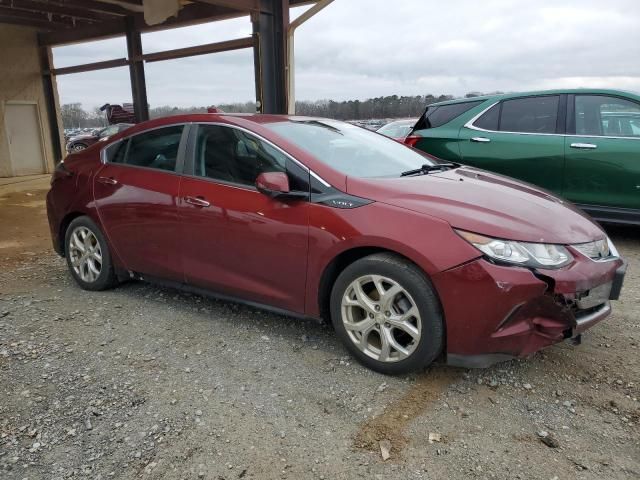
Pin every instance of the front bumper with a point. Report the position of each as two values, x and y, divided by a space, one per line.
496 313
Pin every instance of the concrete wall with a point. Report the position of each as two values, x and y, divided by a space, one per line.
21 80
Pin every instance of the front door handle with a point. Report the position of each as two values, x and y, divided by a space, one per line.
108 180
480 139
584 146
197 201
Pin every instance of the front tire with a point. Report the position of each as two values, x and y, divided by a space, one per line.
387 314
88 256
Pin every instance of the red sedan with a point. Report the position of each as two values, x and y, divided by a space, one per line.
411 259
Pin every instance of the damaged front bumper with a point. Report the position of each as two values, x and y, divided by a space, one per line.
495 313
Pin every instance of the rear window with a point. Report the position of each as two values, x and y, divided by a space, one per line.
116 152
530 115
437 115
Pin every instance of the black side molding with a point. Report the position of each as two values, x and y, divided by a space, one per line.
618 280
324 194
614 215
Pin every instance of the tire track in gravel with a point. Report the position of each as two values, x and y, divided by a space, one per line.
391 424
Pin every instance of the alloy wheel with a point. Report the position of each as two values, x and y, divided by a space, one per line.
85 254
381 318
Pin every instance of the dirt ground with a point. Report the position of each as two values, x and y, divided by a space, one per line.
149 382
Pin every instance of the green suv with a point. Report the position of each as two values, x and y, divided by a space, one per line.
582 144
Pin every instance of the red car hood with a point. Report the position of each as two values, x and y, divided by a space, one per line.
485 203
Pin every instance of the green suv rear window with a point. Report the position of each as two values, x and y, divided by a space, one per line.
437 115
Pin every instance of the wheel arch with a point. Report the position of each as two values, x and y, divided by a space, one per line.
64 224
345 258
66 221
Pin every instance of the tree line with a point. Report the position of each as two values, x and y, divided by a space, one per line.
391 106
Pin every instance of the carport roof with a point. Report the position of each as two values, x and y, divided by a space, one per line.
69 21
60 22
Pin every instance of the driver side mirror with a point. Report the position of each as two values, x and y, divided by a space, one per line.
273 184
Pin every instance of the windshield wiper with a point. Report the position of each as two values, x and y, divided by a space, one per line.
425 169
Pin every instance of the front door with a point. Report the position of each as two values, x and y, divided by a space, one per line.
236 240
136 195
603 152
519 138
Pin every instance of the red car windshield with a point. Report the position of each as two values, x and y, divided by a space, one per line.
351 150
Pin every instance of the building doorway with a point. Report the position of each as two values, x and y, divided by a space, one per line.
24 133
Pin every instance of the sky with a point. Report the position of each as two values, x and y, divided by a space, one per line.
358 49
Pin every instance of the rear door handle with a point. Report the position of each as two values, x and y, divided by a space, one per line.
197 201
480 139
108 180
584 146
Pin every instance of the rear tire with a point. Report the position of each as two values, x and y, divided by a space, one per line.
88 256
387 314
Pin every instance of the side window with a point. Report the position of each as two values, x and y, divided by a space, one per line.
601 115
117 152
530 115
155 149
489 119
232 155
437 115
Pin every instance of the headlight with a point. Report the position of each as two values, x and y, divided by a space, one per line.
598 250
536 255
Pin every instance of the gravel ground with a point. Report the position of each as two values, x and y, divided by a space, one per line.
149 382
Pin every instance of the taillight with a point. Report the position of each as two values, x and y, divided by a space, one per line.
61 171
411 140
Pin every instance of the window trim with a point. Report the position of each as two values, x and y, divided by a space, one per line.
482 112
180 159
184 163
570 111
189 166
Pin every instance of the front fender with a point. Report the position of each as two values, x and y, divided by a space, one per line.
428 242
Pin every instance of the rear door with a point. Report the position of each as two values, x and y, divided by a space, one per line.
603 152
521 138
236 240
136 194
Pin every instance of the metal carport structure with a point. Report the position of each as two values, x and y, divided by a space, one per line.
54 23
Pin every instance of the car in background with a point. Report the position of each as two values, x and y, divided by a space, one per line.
372 124
71 132
581 144
409 258
90 136
399 129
